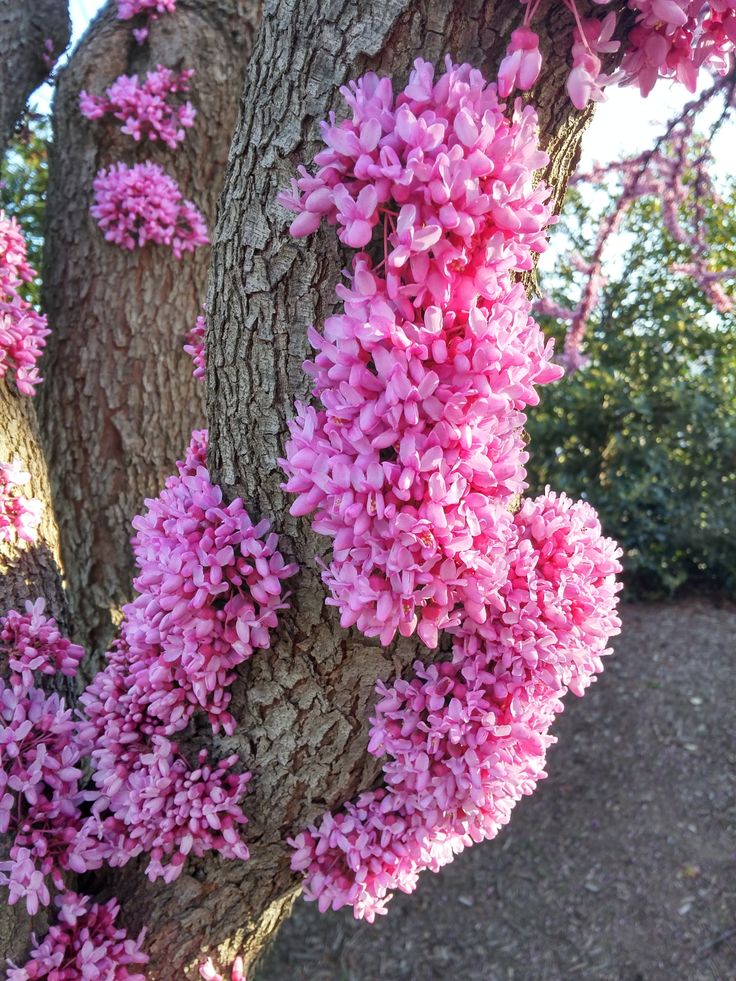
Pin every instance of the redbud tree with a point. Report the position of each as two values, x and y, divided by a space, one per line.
321 642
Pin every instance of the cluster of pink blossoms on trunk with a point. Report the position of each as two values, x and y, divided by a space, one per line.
19 515
150 9
140 204
209 591
413 463
146 109
23 331
417 449
42 746
464 740
84 943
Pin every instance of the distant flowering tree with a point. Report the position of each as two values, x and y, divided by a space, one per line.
358 747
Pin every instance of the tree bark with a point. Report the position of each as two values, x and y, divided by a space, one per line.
24 29
303 706
119 402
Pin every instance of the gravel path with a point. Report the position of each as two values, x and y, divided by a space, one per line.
622 867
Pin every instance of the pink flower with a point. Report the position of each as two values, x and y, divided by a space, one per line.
237 973
586 80
153 8
521 64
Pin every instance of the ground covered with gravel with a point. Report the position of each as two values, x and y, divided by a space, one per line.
622 866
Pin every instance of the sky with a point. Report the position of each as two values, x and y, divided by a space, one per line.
623 125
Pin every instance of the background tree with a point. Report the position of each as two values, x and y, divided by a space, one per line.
646 430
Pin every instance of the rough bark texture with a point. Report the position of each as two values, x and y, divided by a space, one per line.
303 706
24 29
119 403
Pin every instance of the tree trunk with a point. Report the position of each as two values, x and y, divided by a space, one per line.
24 56
303 706
119 402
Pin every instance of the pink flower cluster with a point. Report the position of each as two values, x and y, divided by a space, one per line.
194 347
84 943
414 462
445 176
140 204
19 516
42 746
417 450
23 331
146 109
209 591
32 642
669 39
591 39
466 739
676 38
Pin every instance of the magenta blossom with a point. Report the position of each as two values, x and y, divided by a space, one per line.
140 204
194 347
23 331
84 943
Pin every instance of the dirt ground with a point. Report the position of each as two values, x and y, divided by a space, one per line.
621 867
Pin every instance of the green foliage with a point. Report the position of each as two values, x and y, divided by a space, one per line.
23 181
647 432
